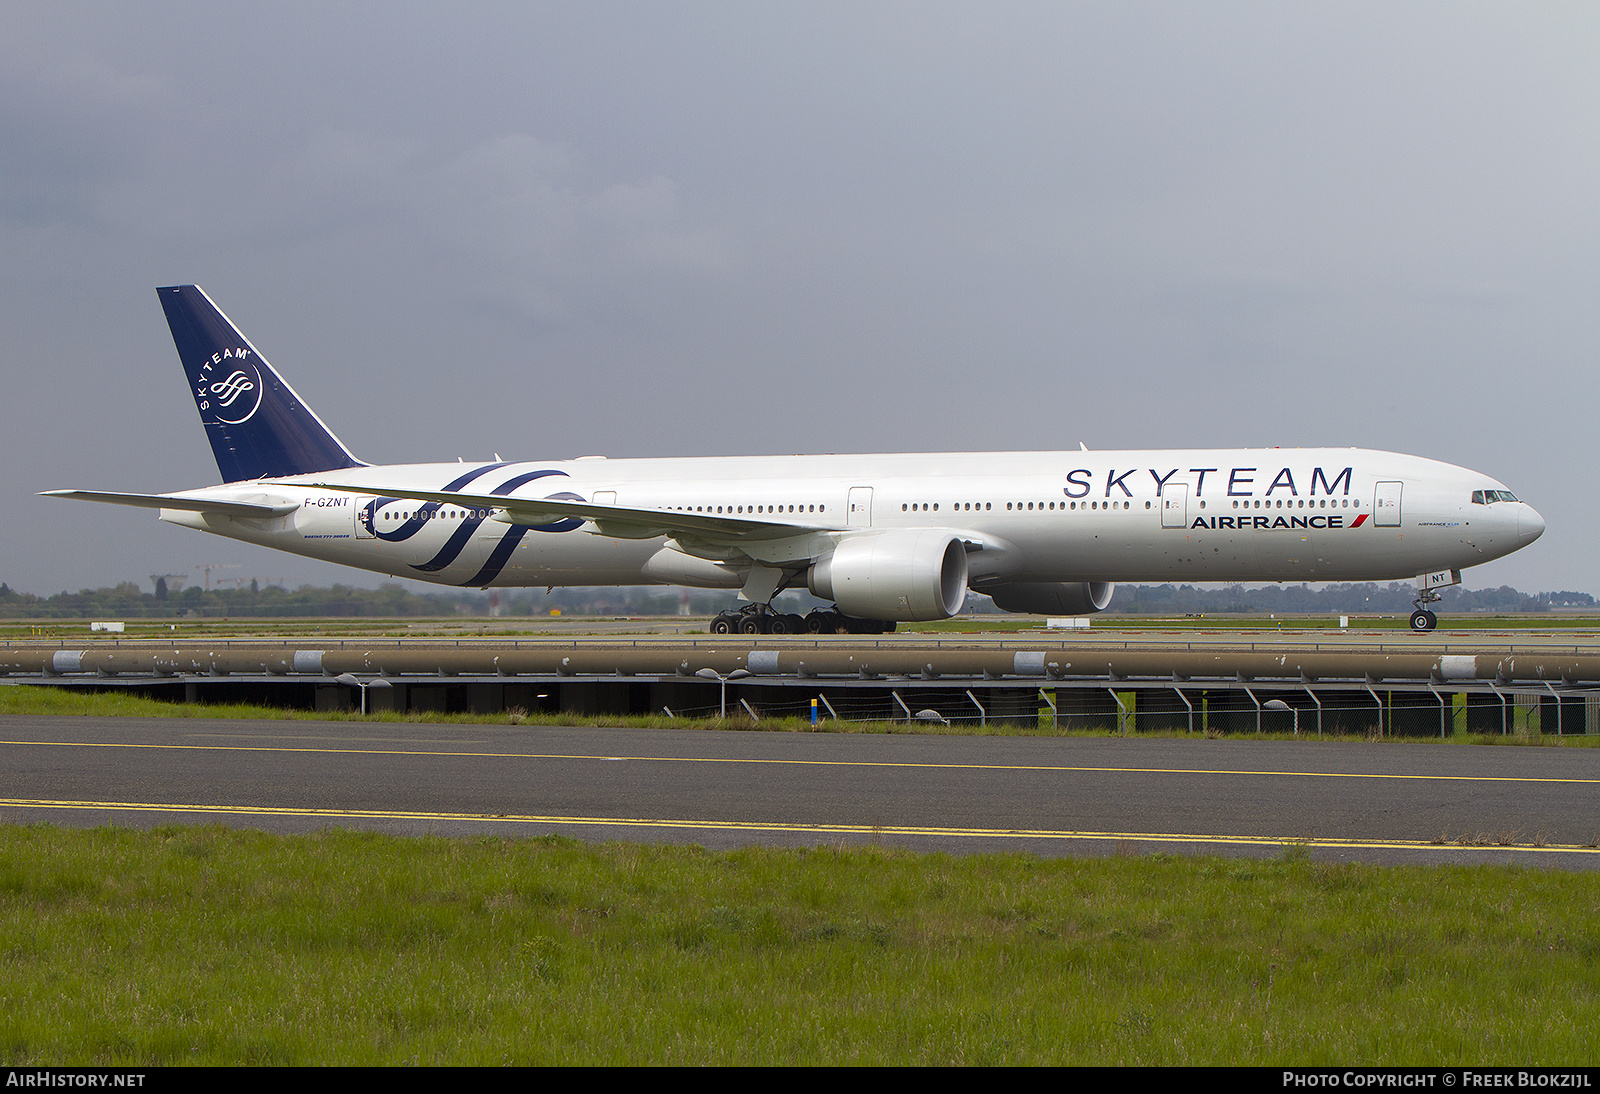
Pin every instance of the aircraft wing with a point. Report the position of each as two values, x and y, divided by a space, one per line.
620 521
256 510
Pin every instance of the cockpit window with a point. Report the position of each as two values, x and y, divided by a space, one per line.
1489 497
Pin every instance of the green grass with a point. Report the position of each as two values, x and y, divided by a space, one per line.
204 945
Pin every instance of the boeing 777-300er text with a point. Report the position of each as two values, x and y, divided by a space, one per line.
885 538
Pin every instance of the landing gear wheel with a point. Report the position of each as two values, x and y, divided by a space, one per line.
788 624
1423 620
821 622
723 625
752 624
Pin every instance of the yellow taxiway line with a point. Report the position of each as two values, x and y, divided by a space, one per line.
779 827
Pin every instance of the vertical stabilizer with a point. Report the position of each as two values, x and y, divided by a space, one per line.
258 427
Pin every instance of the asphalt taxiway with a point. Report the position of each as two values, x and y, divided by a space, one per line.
1388 802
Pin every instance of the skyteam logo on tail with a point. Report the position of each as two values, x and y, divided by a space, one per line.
229 386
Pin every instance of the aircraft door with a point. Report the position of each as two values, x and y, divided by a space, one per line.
366 515
1175 505
1386 505
859 514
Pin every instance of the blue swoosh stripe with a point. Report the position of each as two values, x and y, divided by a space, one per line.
508 543
453 546
517 480
418 523
463 535
498 557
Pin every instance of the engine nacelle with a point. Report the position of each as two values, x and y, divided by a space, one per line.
901 576
1053 597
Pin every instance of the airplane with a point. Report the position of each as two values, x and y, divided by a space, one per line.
885 538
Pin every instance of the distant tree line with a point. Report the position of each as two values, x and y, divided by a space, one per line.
127 601
255 601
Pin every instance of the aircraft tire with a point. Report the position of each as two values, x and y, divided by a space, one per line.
721 625
752 624
1422 621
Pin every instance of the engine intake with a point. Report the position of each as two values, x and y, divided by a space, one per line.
902 576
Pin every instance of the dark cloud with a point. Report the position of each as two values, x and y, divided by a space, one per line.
707 228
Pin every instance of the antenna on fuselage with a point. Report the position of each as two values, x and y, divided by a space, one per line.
1083 446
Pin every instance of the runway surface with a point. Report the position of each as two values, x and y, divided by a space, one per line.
1390 802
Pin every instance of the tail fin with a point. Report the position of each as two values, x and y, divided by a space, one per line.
259 428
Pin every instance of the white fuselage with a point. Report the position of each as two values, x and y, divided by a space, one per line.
1219 515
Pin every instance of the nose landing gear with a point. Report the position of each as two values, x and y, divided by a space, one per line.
1428 586
1422 619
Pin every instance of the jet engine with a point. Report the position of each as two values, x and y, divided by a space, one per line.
903 576
1052 597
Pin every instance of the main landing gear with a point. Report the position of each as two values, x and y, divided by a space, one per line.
759 619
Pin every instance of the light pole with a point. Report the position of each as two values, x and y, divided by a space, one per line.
1279 704
713 674
350 680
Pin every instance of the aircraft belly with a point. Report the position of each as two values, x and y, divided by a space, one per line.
578 558
1265 554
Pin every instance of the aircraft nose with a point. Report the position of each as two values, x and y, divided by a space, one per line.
1530 525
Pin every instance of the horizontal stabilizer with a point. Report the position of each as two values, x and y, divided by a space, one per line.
258 510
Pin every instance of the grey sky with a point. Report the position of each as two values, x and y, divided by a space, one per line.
654 229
